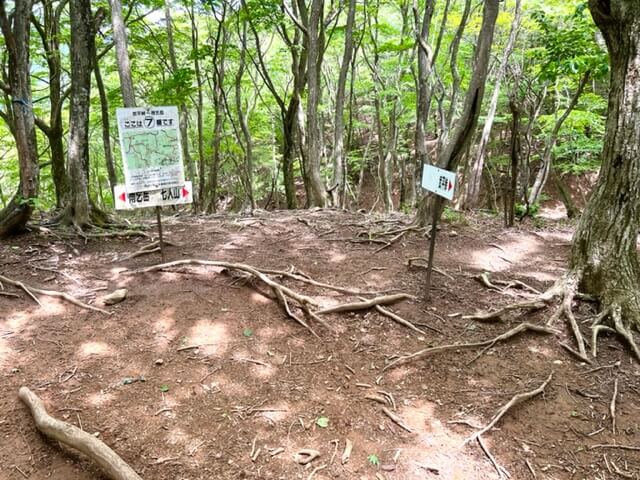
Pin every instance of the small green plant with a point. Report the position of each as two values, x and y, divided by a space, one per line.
373 459
164 388
322 422
521 210
247 332
454 216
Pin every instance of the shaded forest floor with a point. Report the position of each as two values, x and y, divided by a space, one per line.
260 381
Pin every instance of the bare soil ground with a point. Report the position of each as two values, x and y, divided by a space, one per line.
259 381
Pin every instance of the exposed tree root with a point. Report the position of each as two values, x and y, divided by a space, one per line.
285 295
487 344
566 289
31 291
366 304
412 261
147 249
515 400
503 285
112 465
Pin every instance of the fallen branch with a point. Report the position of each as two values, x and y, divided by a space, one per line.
523 327
50 293
152 247
67 434
398 319
501 471
515 400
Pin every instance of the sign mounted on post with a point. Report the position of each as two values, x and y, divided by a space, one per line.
439 181
442 183
151 150
126 200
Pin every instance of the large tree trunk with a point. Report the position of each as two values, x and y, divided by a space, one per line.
452 153
16 33
77 204
318 197
604 252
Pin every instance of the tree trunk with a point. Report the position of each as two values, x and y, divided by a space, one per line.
184 111
199 104
604 251
543 173
16 33
474 180
77 204
423 99
514 153
242 118
454 150
122 54
315 28
339 158
104 115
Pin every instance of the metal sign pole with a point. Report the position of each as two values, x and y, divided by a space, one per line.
160 240
432 243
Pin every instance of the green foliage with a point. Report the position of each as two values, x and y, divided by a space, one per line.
373 459
322 422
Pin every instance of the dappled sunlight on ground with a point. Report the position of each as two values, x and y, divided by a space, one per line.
438 445
211 336
257 297
101 398
92 348
494 259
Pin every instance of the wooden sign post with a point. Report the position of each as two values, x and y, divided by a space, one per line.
442 183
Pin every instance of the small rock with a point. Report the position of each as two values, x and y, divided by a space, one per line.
159 361
453 233
115 297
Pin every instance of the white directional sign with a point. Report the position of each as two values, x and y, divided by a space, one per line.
126 200
439 181
151 152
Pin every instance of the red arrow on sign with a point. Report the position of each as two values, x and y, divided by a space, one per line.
123 197
185 192
450 185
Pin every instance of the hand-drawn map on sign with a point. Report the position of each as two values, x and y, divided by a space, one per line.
150 144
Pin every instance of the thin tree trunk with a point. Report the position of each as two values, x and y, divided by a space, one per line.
339 158
184 111
474 180
199 104
543 173
454 150
122 54
423 99
104 114
514 153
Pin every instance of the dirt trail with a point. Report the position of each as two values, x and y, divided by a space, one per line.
259 381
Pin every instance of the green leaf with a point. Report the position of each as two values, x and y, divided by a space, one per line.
164 388
247 332
322 422
373 459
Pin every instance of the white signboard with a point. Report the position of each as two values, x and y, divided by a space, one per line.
126 200
439 181
150 143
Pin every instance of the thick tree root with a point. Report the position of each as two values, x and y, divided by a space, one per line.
515 400
112 465
31 291
566 289
286 295
487 344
